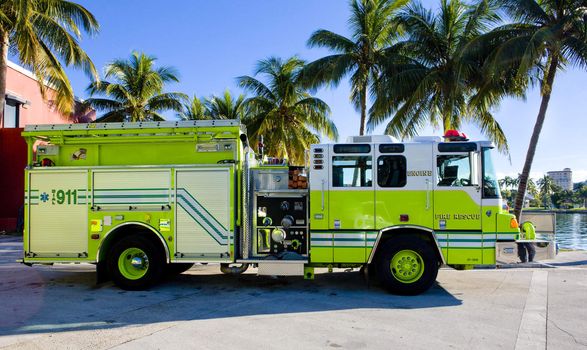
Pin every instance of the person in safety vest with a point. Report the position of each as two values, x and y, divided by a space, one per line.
526 250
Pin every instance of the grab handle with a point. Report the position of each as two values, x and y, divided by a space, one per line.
323 194
427 194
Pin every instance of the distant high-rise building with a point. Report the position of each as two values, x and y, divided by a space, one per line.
563 178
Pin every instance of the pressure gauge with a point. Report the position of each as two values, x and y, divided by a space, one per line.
284 206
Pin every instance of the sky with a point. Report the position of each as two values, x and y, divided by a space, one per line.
211 43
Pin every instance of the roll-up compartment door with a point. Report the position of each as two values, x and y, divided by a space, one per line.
58 214
204 213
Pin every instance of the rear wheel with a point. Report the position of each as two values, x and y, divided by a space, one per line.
135 263
407 265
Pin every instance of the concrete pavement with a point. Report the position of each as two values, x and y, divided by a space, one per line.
60 307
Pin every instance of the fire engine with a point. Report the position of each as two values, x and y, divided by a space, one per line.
141 200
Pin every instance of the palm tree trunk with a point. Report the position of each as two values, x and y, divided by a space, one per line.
3 68
363 110
446 125
546 91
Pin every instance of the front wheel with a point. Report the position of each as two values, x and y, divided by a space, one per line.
407 265
135 263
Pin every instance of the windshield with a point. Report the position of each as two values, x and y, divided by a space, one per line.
490 186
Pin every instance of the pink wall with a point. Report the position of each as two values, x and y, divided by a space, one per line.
22 84
13 157
13 151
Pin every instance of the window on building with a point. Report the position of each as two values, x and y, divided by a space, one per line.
352 171
391 171
455 170
11 114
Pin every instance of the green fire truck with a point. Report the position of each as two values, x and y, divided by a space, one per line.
141 200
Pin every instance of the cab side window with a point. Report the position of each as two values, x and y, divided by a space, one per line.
352 171
391 171
454 170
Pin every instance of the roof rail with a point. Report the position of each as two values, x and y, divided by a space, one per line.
137 125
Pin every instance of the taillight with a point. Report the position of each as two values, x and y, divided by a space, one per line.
514 223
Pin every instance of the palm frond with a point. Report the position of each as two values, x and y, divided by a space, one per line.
332 41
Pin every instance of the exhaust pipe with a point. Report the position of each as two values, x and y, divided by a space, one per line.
233 270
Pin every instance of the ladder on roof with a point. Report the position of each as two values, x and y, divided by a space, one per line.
137 125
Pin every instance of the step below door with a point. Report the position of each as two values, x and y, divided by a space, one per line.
205 218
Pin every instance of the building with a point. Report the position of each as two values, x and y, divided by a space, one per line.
563 179
24 105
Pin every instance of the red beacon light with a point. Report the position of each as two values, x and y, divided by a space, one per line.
454 135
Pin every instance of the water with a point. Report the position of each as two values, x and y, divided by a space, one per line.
571 231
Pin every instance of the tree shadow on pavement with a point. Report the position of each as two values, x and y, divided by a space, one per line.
44 299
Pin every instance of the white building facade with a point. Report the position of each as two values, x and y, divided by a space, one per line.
563 178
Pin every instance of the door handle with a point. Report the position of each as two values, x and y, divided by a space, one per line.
427 194
323 194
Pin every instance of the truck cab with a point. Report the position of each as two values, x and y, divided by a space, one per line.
373 189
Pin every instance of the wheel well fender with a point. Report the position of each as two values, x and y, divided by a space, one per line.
126 229
389 233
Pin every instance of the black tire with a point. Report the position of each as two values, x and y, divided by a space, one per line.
151 270
177 268
424 256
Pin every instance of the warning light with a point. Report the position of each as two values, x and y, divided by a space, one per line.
454 135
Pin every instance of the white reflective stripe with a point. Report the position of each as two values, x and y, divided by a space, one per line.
443 244
131 193
506 235
321 235
464 236
370 244
349 244
321 243
464 244
98 200
349 235
489 244
372 234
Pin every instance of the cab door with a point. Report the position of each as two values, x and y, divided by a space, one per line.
351 200
403 189
457 201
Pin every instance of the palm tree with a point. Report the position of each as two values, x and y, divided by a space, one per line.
42 34
546 36
582 192
506 182
436 77
194 109
532 189
546 186
136 94
226 107
360 56
283 111
502 184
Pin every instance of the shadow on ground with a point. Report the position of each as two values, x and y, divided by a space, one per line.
63 298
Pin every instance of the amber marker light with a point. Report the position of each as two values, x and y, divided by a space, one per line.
514 223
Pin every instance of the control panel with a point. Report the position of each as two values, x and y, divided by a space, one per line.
281 224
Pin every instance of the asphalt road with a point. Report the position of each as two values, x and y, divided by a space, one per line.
60 307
